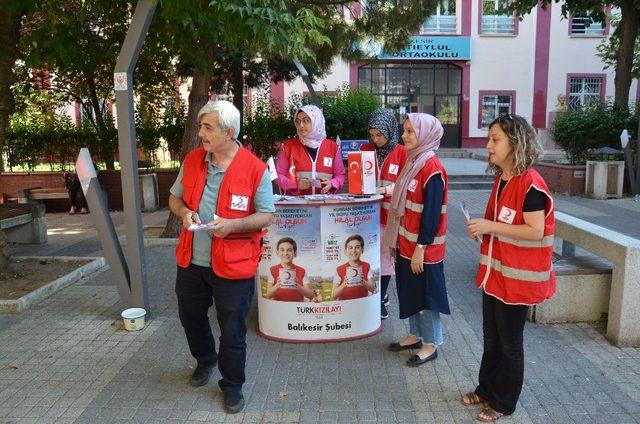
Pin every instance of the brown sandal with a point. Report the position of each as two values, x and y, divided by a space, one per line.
471 398
489 415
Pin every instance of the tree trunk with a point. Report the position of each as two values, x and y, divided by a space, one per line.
198 97
628 30
9 36
238 84
4 254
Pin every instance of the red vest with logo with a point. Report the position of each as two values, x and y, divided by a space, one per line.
288 294
300 158
387 174
517 271
410 223
235 256
353 292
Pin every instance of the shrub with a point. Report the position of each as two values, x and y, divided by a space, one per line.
591 127
346 114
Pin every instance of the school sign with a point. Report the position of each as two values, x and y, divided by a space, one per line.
424 47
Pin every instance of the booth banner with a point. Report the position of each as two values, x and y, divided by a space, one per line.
319 275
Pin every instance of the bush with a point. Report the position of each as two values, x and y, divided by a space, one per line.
591 127
346 114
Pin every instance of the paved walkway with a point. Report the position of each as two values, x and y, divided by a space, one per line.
68 360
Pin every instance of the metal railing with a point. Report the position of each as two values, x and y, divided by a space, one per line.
498 24
440 24
585 26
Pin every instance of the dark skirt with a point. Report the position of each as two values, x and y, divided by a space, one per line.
426 290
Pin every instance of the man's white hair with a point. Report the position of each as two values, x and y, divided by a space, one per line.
228 115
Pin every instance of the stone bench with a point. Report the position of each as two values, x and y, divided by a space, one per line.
40 194
583 286
623 297
24 224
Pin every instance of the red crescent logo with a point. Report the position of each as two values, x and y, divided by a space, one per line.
508 214
354 166
287 275
354 272
368 165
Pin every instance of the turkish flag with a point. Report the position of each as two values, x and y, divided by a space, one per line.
292 172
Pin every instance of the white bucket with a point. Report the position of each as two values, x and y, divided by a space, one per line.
133 318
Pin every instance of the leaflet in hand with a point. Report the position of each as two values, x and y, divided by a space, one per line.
465 211
203 227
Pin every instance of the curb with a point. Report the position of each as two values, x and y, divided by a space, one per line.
16 306
151 241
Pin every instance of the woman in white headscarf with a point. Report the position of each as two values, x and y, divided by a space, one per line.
310 163
416 229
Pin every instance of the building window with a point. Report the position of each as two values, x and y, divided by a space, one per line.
585 90
494 104
443 21
584 25
496 19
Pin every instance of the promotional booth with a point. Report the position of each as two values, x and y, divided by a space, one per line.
319 277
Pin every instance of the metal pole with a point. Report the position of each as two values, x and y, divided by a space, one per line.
123 79
305 77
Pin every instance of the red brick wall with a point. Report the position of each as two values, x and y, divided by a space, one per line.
562 178
12 182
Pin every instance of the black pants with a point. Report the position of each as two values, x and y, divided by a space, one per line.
502 367
197 288
385 286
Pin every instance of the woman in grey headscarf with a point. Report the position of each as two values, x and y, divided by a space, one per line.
390 159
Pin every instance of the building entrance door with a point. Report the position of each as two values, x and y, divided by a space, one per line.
433 88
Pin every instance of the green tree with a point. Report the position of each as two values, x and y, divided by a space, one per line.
78 42
625 32
11 15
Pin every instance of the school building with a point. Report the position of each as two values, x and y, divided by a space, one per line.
471 62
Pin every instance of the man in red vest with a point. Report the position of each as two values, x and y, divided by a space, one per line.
223 185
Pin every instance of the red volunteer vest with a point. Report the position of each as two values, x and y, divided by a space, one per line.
297 153
517 271
237 255
410 223
388 174
353 292
288 294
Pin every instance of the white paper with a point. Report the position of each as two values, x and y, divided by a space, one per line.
201 227
465 212
272 168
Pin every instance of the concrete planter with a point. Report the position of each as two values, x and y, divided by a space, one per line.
604 179
560 178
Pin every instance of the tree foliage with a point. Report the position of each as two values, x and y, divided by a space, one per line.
591 127
626 32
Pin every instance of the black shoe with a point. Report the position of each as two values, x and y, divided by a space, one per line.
233 402
201 375
415 360
383 311
397 347
385 300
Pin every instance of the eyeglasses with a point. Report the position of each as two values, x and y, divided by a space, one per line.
303 121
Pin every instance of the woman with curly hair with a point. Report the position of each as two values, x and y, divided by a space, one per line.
515 269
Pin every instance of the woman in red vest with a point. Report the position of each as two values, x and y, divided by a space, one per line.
351 280
288 282
515 268
416 228
310 163
390 159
